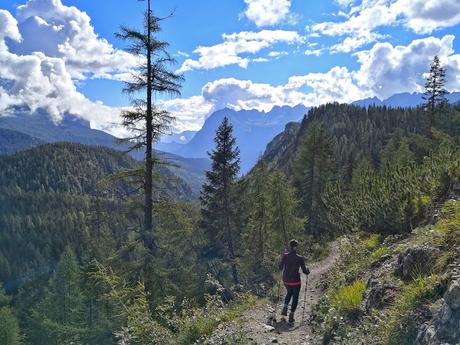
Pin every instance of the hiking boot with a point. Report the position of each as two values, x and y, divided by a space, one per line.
284 311
291 317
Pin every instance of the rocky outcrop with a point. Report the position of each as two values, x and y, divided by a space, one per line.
416 261
444 328
378 295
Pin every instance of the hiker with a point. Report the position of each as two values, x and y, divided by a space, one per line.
290 264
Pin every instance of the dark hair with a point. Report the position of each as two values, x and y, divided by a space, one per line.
293 244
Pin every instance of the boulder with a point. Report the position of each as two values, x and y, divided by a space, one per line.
416 261
444 328
379 295
452 296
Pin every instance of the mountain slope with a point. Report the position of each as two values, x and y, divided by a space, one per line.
33 129
13 141
50 198
75 168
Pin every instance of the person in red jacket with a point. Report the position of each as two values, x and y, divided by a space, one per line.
290 263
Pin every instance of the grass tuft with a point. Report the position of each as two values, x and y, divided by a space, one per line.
348 299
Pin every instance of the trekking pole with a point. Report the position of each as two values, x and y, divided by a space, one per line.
304 300
276 303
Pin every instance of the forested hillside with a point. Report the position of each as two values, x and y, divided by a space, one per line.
54 195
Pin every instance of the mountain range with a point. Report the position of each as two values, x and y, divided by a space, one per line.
188 150
254 129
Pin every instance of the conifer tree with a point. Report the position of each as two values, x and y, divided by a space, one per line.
435 93
285 222
313 169
60 313
10 333
146 121
218 199
258 234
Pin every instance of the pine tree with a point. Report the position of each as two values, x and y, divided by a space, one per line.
313 169
218 199
435 93
145 120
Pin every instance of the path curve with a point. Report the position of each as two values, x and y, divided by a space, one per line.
254 322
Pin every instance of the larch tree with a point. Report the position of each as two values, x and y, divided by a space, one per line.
285 221
219 205
314 168
435 92
144 120
257 233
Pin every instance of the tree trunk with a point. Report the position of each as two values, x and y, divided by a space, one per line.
148 187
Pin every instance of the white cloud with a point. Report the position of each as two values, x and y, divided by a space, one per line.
191 112
43 82
230 51
426 16
267 12
66 32
362 21
384 70
314 52
277 54
387 69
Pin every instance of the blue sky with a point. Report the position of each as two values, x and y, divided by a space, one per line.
242 54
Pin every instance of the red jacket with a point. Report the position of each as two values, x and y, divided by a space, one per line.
290 264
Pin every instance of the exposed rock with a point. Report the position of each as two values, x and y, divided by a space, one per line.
379 295
444 328
380 261
452 296
416 261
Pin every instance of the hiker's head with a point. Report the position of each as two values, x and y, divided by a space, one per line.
293 244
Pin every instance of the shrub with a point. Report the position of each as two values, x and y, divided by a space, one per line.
348 299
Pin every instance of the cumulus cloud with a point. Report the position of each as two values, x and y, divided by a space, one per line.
66 32
231 51
387 69
38 81
268 12
362 21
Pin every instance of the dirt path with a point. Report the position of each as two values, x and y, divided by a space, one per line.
254 322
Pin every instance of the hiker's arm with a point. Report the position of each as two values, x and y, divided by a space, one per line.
304 268
281 262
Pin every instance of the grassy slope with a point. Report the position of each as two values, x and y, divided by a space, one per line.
341 315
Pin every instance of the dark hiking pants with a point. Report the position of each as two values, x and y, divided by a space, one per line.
292 292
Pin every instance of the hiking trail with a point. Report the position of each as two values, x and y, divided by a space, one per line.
254 322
